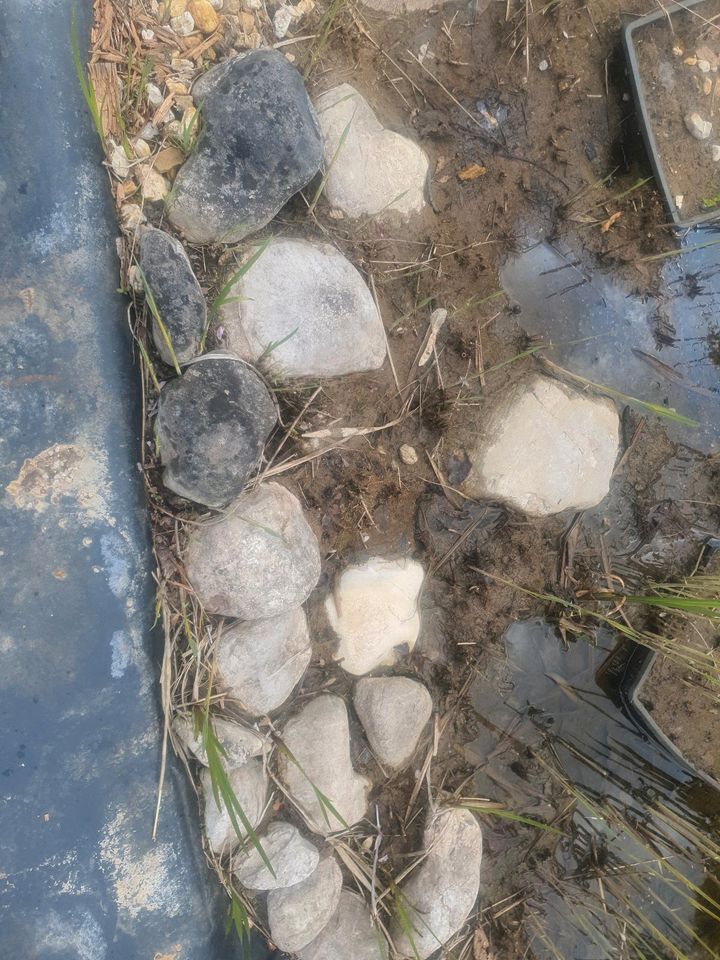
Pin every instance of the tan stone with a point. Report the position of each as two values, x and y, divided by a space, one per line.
205 17
177 7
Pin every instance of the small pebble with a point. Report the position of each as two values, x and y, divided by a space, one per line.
147 35
177 7
154 95
281 21
131 215
679 200
204 16
543 65
183 25
716 152
152 186
408 454
690 61
148 132
697 126
707 86
703 66
678 51
141 148
119 161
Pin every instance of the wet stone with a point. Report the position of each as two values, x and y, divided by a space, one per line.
177 295
293 859
393 712
250 784
259 561
239 743
298 914
259 143
211 428
306 308
349 935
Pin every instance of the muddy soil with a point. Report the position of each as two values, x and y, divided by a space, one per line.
679 75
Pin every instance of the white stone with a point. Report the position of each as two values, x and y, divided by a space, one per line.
349 935
141 148
250 784
260 661
697 126
154 95
715 152
318 739
282 18
703 66
131 216
374 610
393 712
183 25
311 303
292 857
119 161
153 186
440 893
408 454
239 743
147 35
298 914
260 560
373 170
545 448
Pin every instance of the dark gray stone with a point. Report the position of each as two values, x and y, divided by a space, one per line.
211 427
259 143
176 293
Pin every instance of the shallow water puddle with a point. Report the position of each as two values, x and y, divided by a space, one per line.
562 730
664 349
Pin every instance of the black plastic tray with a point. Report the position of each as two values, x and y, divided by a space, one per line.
645 122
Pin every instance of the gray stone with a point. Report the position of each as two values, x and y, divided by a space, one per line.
440 893
297 914
545 448
211 427
293 859
374 171
259 561
698 126
349 935
259 143
250 784
176 293
310 301
319 740
260 661
393 712
239 742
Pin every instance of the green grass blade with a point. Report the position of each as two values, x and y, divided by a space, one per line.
509 815
88 91
150 299
341 144
224 294
239 920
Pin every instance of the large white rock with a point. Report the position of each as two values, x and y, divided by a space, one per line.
319 740
260 661
305 309
372 171
239 742
374 610
349 935
297 914
250 784
258 561
545 448
293 859
393 712
440 893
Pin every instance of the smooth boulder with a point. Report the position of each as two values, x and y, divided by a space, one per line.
374 612
292 857
305 309
259 143
349 935
259 662
371 171
211 427
239 743
297 914
177 295
318 738
545 448
258 561
393 712
250 785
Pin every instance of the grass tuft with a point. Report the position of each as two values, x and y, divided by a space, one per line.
88 91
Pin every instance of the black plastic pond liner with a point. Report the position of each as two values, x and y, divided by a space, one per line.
646 123
80 731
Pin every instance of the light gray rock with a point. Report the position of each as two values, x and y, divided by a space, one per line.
259 143
250 784
297 914
440 893
349 935
319 740
260 661
293 859
310 301
374 170
545 448
393 712
176 293
239 742
373 609
698 126
259 561
211 427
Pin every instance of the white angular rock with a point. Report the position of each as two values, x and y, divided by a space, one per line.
239 742
260 560
393 712
297 914
373 610
250 784
260 661
545 448
374 170
293 859
698 126
318 737
440 893
349 935
310 301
